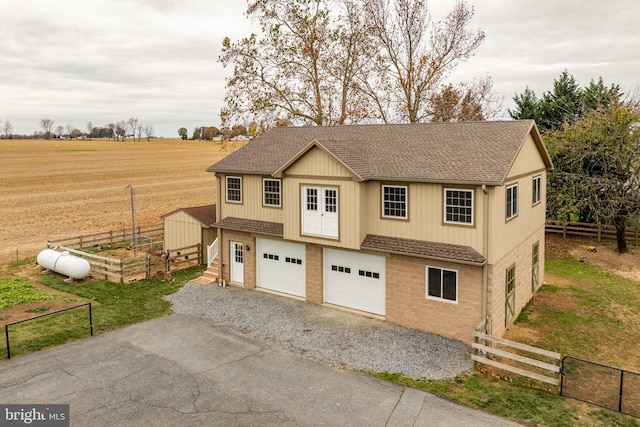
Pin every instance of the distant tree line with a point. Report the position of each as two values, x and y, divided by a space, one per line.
209 133
119 131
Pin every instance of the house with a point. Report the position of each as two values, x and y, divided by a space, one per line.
434 226
186 227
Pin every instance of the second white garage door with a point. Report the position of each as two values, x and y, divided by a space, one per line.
355 280
281 266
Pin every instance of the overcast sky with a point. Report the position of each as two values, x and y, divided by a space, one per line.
75 61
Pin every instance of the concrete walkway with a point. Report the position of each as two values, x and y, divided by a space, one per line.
188 371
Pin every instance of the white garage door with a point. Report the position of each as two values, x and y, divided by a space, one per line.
281 266
354 280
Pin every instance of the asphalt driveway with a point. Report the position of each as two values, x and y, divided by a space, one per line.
188 371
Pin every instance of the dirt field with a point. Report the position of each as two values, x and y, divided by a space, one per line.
60 188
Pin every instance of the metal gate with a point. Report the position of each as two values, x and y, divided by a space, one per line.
601 385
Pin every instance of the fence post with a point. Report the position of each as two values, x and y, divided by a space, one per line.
564 230
599 232
6 332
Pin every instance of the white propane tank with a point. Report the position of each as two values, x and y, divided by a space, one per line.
64 263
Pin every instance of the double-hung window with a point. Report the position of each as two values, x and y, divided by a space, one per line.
442 284
234 189
458 206
537 195
394 201
512 201
271 192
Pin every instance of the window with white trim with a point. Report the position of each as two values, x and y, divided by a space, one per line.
442 284
394 201
537 192
234 189
512 201
271 192
458 206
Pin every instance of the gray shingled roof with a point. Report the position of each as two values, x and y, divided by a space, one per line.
466 152
251 226
443 251
205 214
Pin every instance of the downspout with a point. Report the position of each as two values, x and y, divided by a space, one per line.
485 254
221 281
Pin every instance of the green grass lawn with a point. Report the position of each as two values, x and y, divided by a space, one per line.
590 314
114 306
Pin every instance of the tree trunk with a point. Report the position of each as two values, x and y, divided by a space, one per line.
618 221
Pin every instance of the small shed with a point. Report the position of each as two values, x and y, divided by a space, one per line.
186 227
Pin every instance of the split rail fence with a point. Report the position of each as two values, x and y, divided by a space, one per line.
149 264
521 359
599 231
148 236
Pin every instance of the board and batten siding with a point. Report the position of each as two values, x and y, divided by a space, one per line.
317 162
251 206
318 168
181 230
426 216
507 235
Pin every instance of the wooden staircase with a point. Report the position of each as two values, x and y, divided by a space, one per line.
211 274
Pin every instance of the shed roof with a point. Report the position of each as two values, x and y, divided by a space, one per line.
433 250
465 152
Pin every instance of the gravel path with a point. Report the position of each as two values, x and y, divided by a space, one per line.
342 339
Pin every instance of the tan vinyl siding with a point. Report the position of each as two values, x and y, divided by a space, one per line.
181 230
527 160
508 234
348 211
426 216
319 168
251 206
318 163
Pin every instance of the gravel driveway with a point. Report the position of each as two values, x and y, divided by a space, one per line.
334 336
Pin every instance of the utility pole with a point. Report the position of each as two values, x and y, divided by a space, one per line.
133 220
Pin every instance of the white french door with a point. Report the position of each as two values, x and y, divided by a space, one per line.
320 211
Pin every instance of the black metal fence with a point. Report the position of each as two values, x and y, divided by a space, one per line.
605 386
6 327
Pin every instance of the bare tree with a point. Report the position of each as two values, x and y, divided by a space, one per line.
89 129
121 130
69 129
132 125
465 102
148 132
112 128
47 126
303 68
7 128
414 56
139 128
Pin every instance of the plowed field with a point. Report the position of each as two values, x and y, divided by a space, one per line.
63 188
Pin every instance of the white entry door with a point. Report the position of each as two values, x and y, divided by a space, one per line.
236 253
320 211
